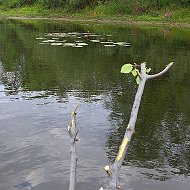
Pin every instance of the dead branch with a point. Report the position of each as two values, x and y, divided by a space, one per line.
160 73
113 170
73 138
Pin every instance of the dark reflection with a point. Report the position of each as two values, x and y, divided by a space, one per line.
91 74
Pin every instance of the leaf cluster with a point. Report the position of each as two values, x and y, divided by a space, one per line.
132 68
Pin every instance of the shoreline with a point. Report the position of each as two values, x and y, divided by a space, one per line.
103 20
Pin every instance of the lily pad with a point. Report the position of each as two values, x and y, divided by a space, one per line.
94 35
107 42
69 44
82 44
73 33
120 43
109 45
95 41
40 38
127 45
48 41
57 44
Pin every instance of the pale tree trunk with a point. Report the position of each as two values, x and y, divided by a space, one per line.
113 170
73 139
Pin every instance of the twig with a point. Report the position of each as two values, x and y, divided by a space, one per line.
160 73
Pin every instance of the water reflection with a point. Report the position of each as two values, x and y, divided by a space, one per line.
41 84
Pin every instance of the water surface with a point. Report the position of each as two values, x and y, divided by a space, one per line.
40 84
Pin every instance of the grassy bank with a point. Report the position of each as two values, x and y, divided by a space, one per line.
111 11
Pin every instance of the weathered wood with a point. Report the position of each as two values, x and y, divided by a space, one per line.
160 73
73 138
113 171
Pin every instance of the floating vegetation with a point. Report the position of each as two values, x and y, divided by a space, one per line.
79 40
69 44
127 45
61 35
95 41
82 44
73 33
57 44
110 42
109 45
94 35
60 41
48 41
40 38
122 43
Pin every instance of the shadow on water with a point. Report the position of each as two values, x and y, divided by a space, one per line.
40 84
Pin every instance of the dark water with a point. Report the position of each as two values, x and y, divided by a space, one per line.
41 84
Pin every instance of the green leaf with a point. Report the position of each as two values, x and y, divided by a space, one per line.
127 68
134 73
138 80
148 70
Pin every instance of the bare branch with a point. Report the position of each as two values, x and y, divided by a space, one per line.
113 170
130 129
76 108
160 73
73 138
139 73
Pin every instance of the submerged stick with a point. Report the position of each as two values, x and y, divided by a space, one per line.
73 138
113 170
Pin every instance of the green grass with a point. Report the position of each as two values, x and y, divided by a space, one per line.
103 11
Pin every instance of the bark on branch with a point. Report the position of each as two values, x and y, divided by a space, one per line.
160 73
73 131
113 170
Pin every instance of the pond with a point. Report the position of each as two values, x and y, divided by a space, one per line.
44 76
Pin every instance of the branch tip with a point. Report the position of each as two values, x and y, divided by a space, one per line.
170 64
160 73
107 168
76 108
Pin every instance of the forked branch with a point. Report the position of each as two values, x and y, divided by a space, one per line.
113 170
